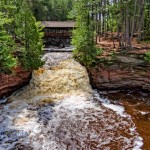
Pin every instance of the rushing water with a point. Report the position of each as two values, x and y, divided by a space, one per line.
74 123
79 120
137 104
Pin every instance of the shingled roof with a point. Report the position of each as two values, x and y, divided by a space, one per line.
58 24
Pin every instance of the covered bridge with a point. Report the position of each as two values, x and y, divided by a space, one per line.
57 33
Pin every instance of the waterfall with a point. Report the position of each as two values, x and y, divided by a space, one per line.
58 110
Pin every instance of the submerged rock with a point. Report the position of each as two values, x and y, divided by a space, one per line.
3 100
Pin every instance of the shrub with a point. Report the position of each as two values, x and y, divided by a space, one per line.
147 57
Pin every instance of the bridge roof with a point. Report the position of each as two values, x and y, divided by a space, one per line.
58 24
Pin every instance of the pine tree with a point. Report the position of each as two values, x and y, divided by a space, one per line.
7 45
83 36
29 32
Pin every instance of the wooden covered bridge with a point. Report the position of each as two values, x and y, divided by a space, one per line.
57 33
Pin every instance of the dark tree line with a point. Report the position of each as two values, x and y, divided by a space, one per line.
53 10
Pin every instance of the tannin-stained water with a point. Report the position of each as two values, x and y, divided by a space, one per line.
59 111
137 105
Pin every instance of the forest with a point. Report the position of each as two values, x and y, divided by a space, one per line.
125 22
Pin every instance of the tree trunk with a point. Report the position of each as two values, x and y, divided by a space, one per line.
133 20
128 41
141 20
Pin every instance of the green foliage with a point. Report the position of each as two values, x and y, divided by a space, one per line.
6 48
72 13
56 10
83 35
147 57
18 22
113 55
7 44
29 32
147 21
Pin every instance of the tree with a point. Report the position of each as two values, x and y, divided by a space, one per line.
53 10
7 45
147 20
141 19
28 31
83 36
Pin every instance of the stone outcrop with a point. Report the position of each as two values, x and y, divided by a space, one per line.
125 73
12 82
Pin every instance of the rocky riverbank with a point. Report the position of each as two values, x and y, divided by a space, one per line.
14 81
124 73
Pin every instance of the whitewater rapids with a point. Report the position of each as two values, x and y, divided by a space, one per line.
58 110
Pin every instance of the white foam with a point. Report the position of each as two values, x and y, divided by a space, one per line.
74 123
117 108
138 143
144 113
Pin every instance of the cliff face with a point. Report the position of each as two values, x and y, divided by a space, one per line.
126 73
10 83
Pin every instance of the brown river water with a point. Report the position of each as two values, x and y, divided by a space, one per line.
136 104
58 110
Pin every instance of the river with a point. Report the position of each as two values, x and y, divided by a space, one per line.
59 110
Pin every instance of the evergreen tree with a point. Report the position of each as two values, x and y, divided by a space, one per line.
7 44
83 36
53 10
29 32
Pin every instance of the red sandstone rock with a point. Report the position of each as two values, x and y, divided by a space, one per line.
10 83
117 77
